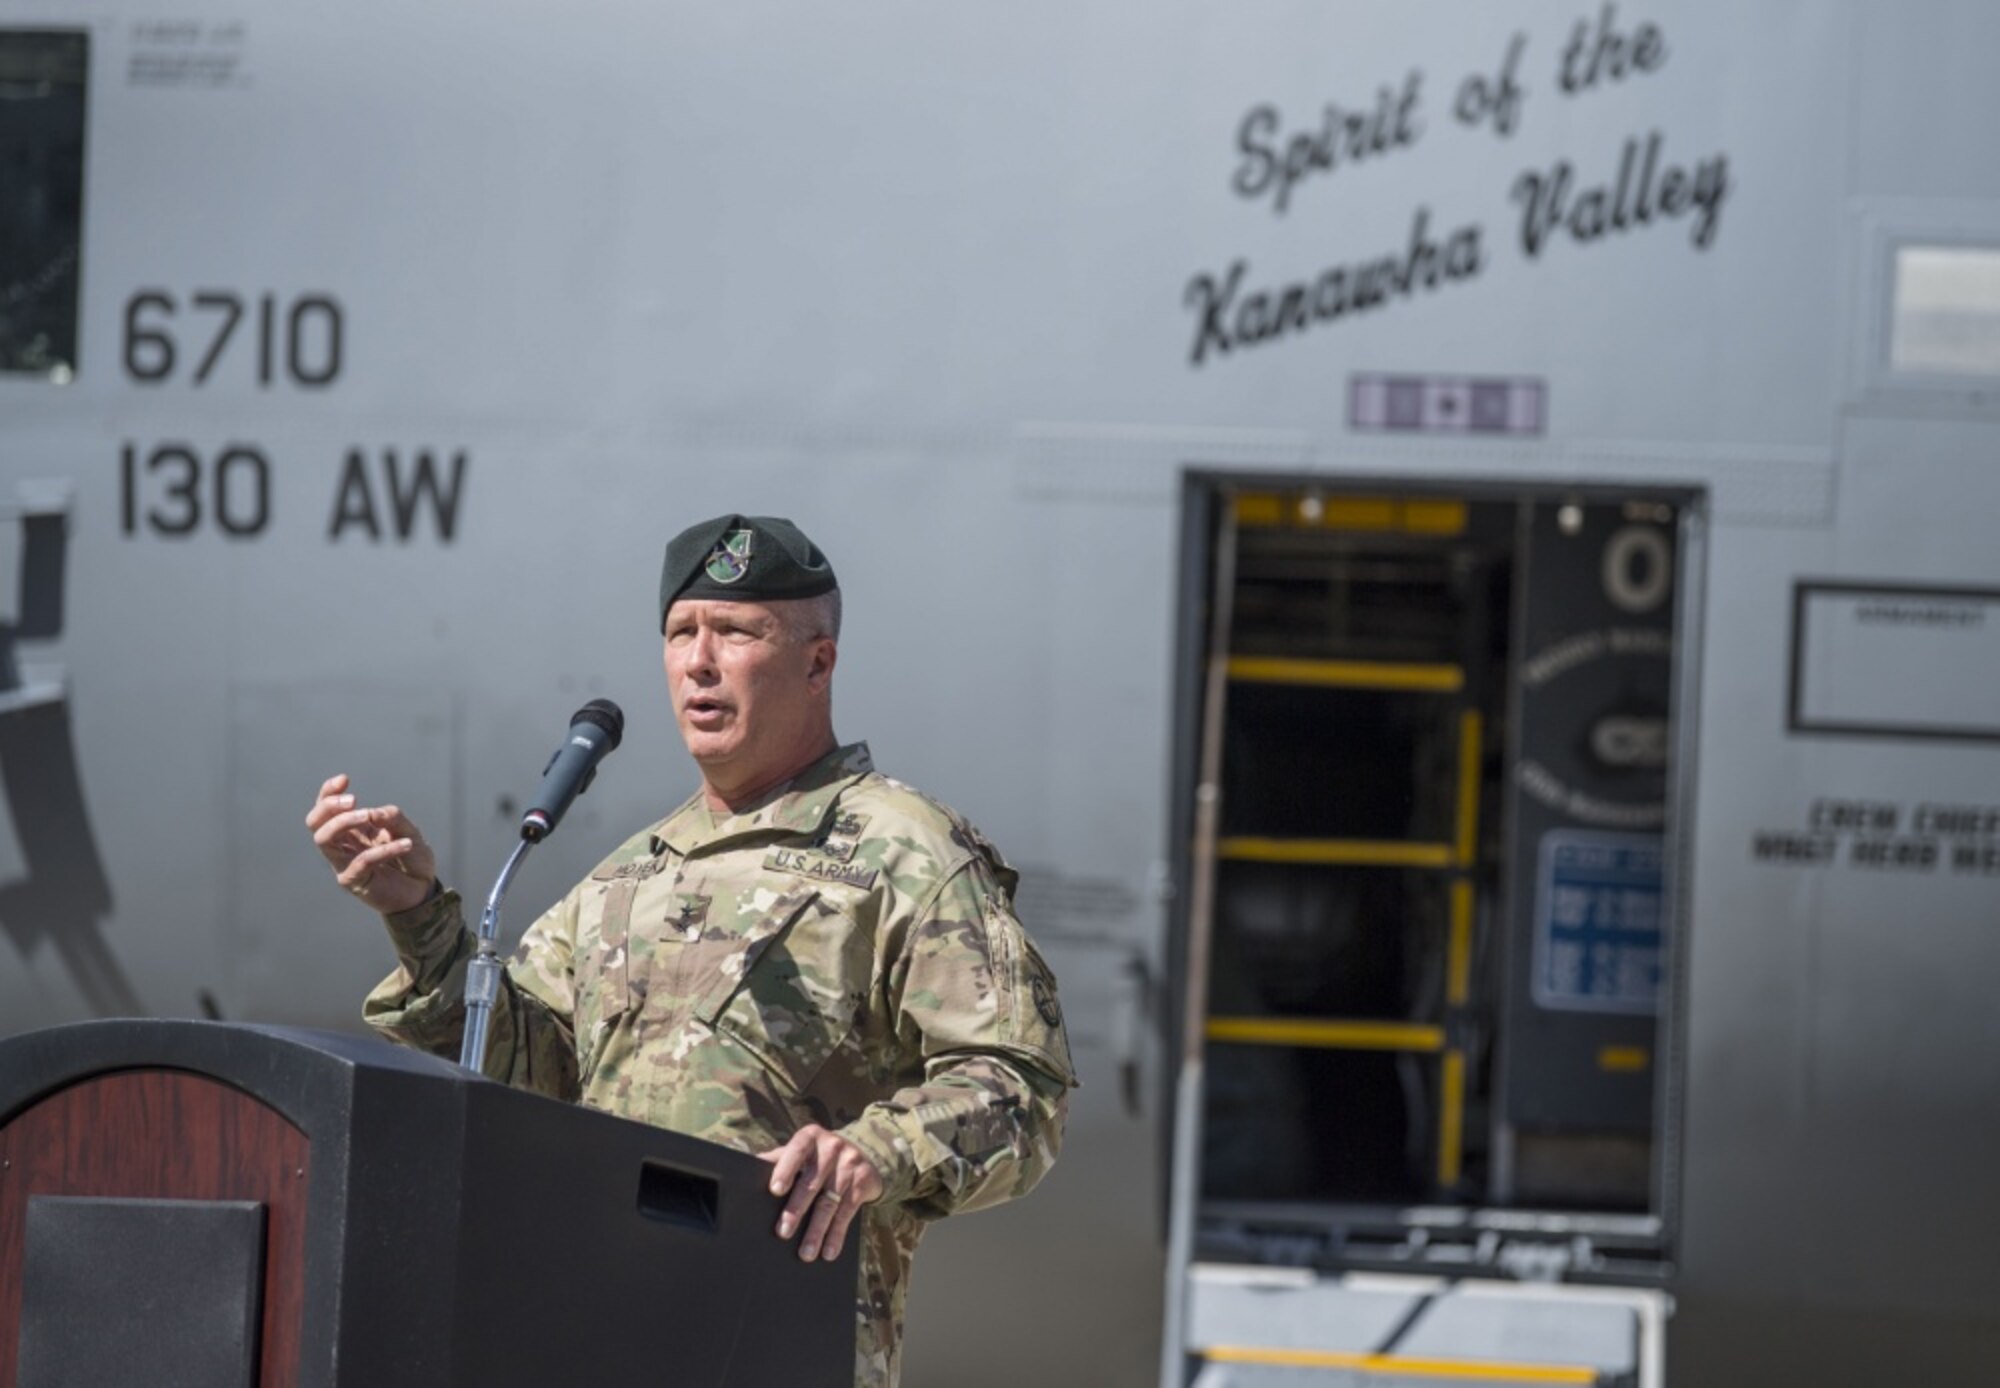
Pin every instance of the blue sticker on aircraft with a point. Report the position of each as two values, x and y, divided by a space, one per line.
1598 921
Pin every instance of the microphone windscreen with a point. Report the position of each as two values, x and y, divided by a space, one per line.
602 713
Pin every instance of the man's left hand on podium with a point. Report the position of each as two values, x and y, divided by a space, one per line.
829 1179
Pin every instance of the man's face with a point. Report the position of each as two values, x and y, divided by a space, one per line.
745 694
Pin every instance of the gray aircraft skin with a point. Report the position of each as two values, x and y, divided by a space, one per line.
343 427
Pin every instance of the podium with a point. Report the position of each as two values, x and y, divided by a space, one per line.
218 1206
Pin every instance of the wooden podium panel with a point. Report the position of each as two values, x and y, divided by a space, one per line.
180 1137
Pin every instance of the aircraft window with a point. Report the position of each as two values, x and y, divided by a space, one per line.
1945 318
43 76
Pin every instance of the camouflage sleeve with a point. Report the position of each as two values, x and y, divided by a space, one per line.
975 1002
422 1004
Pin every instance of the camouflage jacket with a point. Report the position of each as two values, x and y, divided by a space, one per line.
846 954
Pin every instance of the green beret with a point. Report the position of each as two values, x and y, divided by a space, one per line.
743 559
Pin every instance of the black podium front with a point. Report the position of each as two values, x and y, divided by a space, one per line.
190 1202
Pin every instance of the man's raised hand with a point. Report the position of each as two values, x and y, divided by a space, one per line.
376 852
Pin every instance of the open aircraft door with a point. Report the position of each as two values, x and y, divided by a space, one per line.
1429 837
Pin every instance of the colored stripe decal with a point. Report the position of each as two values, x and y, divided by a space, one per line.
1332 1035
1451 1118
1469 754
1338 852
1458 959
1377 514
1347 674
1471 1370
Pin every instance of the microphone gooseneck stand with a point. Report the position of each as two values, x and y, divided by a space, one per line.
594 732
482 976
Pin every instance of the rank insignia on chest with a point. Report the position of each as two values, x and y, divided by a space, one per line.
689 919
817 863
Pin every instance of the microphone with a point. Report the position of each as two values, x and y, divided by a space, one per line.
595 729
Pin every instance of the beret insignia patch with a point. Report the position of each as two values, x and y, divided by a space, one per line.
730 559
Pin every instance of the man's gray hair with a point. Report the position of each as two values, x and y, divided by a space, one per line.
808 619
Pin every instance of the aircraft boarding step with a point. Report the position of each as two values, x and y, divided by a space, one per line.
1273 1328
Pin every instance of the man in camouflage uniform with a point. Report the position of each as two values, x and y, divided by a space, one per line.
807 960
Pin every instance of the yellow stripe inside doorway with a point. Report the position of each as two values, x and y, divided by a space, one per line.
1464 1370
1334 1035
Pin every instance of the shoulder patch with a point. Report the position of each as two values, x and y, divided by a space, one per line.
1043 987
1034 1020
